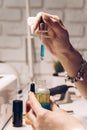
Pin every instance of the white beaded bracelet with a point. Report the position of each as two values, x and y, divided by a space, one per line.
80 74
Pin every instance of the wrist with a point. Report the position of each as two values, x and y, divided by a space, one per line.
65 52
71 60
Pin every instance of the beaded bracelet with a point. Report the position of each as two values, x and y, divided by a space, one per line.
80 74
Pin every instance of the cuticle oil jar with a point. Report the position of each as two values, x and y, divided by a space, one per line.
43 94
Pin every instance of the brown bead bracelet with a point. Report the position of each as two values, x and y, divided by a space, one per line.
80 74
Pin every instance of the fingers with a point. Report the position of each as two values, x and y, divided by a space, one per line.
48 18
47 35
37 20
53 23
32 116
54 107
53 17
35 105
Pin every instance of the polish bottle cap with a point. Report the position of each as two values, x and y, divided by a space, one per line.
32 87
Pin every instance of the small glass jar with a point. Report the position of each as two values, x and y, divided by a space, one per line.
43 94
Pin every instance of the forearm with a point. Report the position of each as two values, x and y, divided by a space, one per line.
59 45
71 62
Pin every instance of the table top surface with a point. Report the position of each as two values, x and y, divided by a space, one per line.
79 108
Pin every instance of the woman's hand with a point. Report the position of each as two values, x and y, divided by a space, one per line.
58 38
56 119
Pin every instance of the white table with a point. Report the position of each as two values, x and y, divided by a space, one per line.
79 108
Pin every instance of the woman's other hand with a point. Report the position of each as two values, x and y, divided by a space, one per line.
56 119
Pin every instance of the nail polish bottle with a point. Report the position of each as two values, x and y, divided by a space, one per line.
17 113
27 120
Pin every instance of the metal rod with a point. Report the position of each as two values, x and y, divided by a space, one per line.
29 45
